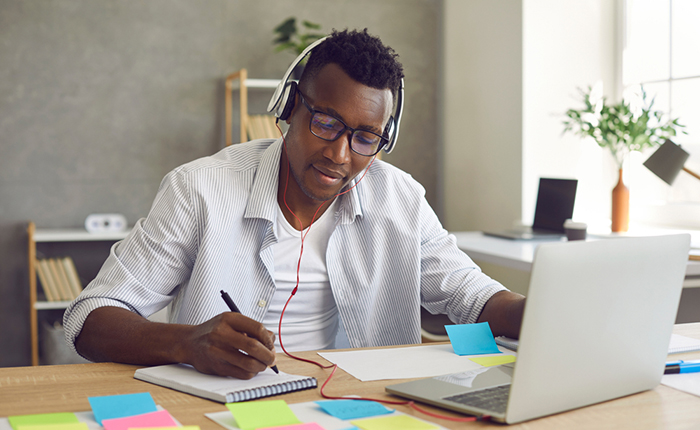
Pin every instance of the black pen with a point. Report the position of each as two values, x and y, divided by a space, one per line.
235 309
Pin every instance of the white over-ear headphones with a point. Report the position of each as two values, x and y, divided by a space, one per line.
282 101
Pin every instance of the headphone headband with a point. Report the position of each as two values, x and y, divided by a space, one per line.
276 105
282 101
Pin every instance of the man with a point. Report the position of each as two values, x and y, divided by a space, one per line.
375 252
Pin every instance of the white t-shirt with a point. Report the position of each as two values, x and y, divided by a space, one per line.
311 319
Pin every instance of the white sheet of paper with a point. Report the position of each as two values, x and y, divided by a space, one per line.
688 382
423 361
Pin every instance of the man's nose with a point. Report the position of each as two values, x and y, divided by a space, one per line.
339 150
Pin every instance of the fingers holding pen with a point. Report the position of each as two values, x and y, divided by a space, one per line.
233 345
250 336
268 341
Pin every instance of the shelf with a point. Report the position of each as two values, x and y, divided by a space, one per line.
238 81
51 305
76 235
54 236
256 83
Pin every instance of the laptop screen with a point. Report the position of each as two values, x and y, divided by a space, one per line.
555 203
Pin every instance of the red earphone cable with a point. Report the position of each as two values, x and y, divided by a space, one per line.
296 287
303 237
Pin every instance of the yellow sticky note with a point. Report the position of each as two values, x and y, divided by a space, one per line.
403 422
265 413
41 419
494 360
64 426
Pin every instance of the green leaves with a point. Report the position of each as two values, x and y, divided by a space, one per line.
288 37
622 127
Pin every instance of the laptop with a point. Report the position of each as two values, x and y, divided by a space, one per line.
597 326
555 204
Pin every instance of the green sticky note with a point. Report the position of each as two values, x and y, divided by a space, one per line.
64 426
493 360
42 419
266 413
403 422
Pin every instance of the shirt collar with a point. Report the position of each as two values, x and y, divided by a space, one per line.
262 201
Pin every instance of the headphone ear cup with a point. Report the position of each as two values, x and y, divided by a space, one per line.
389 129
288 101
389 133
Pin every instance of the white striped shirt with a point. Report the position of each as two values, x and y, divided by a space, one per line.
211 228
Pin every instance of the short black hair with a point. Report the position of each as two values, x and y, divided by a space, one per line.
362 56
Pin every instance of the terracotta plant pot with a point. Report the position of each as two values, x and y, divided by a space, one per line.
620 206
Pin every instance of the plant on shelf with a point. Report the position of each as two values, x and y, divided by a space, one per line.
290 39
629 125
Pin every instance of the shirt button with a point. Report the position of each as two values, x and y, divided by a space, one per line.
261 303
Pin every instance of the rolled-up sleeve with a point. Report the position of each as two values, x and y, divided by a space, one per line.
451 283
142 272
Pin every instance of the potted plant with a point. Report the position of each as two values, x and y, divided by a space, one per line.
290 39
629 125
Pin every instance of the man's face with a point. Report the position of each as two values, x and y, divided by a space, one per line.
321 168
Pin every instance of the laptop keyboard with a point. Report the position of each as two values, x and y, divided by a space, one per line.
492 399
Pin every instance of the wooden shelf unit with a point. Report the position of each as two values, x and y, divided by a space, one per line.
35 236
239 81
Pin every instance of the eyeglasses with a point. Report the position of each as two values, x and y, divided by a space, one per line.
330 128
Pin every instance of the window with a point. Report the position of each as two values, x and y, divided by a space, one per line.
661 52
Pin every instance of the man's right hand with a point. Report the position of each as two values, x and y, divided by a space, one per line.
229 344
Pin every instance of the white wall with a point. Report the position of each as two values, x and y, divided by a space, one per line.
566 45
482 113
511 70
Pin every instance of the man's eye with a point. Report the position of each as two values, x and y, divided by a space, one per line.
366 138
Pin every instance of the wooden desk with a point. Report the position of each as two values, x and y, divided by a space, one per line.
27 390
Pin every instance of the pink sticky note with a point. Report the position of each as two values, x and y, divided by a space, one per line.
302 426
151 419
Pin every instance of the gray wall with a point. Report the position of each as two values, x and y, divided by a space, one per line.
100 99
482 78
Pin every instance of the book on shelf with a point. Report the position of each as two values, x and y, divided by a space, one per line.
59 278
46 281
76 286
261 127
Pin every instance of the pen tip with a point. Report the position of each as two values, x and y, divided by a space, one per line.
275 369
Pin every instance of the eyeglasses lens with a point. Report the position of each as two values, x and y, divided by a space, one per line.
329 128
326 127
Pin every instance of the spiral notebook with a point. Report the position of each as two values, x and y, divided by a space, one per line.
223 389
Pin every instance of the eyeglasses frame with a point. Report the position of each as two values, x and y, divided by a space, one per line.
383 140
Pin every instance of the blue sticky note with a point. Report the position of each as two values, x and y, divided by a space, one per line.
123 405
353 409
472 339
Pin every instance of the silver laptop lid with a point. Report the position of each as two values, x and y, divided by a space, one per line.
597 322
